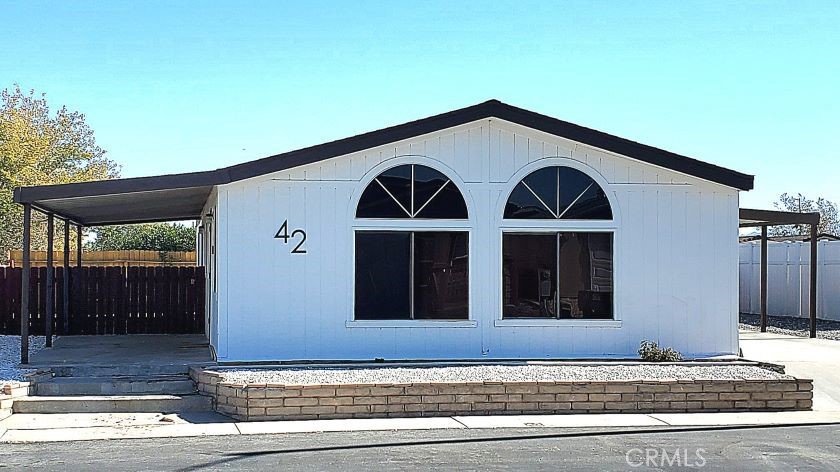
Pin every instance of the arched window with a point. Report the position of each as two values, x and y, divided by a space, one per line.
406 271
412 191
558 270
558 193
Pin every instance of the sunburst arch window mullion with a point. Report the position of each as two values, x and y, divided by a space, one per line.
575 194
434 196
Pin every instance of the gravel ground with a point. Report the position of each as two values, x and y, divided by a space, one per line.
10 356
494 372
826 329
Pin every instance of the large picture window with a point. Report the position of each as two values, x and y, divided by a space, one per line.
547 270
409 272
412 275
564 275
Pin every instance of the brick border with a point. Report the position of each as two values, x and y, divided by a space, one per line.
263 402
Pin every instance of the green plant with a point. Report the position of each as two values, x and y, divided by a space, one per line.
651 352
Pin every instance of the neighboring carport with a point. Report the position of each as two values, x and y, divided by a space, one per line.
751 218
122 201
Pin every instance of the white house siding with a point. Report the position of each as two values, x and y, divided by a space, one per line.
788 282
675 256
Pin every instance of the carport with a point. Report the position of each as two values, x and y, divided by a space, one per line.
174 197
752 218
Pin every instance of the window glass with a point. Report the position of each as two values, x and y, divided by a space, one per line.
427 183
543 184
376 203
565 275
412 191
586 275
441 275
383 275
385 284
397 181
572 183
529 275
447 204
592 205
523 204
558 193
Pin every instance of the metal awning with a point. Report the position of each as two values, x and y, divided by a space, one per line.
122 201
752 218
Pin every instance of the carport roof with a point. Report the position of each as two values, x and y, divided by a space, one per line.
182 196
750 218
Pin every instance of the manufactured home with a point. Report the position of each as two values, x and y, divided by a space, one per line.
488 232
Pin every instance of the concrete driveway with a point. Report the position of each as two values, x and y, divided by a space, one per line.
817 359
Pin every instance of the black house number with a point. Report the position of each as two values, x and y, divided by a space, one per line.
283 233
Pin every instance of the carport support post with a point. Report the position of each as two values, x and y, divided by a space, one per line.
813 283
764 278
78 245
24 286
65 292
50 311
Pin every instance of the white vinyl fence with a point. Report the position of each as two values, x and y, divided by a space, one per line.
788 277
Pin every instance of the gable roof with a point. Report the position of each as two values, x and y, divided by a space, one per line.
69 199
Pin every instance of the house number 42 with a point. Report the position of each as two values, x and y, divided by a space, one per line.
283 233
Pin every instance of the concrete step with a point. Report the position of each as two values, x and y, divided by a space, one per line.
123 385
6 403
121 370
113 404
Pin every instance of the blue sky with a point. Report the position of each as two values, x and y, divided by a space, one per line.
182 86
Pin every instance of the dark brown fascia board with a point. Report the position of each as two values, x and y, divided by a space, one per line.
494 109
757 217
117 186
626 147
320 152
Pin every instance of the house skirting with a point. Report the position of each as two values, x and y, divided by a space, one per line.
264 402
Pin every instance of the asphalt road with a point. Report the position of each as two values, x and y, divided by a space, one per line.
798 448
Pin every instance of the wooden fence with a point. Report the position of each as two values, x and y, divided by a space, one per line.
109 300
108 258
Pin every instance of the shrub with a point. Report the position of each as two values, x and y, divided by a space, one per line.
651 352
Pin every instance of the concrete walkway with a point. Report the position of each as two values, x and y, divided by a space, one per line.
817 359
812 358
25 428
140 349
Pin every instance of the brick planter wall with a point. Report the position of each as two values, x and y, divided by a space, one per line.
261 402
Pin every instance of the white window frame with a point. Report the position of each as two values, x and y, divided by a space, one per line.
551 226
412 225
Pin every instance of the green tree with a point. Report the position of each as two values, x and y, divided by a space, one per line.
829 220
38 147
161 237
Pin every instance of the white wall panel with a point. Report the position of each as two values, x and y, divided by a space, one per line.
675 256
